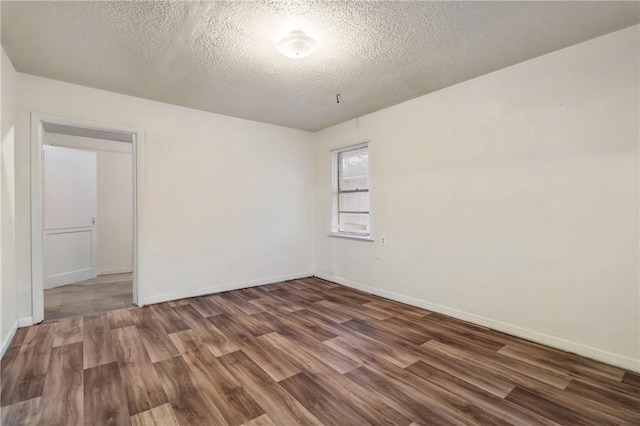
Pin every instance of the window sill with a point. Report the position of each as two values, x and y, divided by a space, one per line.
349 237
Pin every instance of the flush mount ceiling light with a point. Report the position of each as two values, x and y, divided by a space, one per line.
296 45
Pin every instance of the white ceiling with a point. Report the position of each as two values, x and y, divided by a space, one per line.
220 56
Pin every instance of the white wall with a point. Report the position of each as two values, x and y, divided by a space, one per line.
223 202
115 195
510 200
8 314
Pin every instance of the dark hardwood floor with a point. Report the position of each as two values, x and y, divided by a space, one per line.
299 352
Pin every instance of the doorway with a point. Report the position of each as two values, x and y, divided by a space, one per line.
84 245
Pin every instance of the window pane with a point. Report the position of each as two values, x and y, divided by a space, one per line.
358 223
353 169
354 202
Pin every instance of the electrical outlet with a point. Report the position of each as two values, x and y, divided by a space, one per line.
383 240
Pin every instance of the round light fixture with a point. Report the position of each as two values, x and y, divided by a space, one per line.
296 45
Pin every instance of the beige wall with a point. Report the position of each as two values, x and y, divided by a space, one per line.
510 200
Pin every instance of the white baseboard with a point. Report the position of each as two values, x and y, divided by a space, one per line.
20 322
25 322
68 278
5 342
220 288
535 336
114 271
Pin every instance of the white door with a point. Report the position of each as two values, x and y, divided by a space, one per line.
70 204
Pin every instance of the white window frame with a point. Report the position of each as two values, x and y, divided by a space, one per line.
335 226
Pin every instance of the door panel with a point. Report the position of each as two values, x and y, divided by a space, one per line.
70 214
69 257
70 187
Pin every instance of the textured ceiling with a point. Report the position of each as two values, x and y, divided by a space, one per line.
221 57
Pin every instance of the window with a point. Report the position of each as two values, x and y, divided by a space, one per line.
351 191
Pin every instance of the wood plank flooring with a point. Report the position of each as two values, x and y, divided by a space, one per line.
301 352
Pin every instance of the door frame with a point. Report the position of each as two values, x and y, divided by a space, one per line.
37 234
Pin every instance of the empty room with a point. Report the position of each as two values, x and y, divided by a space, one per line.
320 213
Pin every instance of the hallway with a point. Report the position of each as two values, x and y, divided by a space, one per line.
104 293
